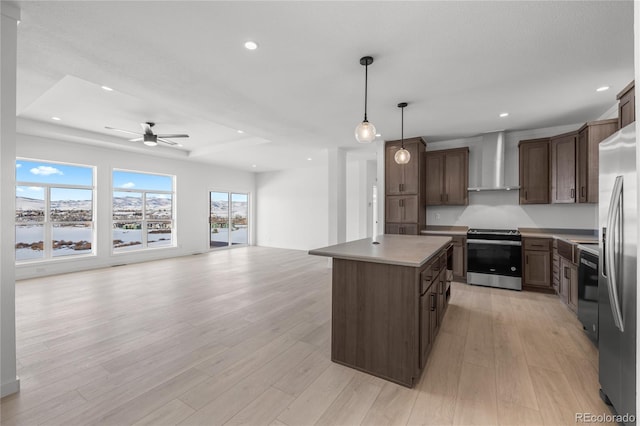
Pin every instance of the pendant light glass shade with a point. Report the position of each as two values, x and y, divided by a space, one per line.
365 131
402 155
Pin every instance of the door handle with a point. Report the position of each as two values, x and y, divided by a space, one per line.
613 226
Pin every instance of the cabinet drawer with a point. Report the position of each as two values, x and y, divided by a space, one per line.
567 250
539 244
426 278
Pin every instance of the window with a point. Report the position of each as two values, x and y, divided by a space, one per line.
142 211
54 210
228 219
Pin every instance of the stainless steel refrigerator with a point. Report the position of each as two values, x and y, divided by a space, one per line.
618 228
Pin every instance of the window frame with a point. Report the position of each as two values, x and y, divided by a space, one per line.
144 221
47 223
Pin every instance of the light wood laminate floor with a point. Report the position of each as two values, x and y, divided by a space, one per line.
243 337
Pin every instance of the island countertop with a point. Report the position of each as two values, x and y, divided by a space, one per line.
403 250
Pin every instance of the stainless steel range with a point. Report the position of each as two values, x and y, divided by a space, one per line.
494 258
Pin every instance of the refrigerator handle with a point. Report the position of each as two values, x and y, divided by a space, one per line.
609 252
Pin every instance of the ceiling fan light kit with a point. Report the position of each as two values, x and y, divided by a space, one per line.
402 155
148 137
365 131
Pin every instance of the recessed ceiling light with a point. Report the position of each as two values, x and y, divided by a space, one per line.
254 166
309 159
240 131
602 89
251 45
56 118
179 144
378 135
107 89
504 114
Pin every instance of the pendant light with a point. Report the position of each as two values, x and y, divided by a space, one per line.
402 155
365 131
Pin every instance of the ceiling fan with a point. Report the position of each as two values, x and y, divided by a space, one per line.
148 137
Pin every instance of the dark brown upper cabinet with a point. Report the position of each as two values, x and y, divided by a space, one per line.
447 177
563 168
405 193
534 171
589 136
627 105
403 179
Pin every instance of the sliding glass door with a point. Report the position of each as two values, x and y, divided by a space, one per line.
228 219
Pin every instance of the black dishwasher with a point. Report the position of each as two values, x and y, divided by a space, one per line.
588 290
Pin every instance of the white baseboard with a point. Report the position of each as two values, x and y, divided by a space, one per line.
10 387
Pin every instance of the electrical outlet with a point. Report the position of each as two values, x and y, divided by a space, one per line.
437 216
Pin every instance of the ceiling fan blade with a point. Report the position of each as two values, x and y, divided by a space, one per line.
136 140
168 142
174 136
123 131
146 127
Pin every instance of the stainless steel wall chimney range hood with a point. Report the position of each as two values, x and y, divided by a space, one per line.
492 164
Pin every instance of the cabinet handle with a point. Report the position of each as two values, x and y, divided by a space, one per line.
526 259
582 191
525 195
433 301
441 287
401 202
573 193
566 272
441 197
446 197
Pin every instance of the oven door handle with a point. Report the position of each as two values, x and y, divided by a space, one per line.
494 242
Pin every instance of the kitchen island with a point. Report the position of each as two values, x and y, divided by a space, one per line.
389 295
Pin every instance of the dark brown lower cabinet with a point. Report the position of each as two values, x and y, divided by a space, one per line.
568 291
536 261
459 258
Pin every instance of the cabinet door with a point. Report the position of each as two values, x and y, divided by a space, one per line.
582 148
441 295
572 291
537 268
394 210
456 177
626 108
393 171
401 228
563 169
534 172
435 173
425 328
459 258
434 325
565 279
411 170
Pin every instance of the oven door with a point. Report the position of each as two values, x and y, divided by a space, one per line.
494 257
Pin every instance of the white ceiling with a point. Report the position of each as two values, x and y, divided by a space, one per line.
183 65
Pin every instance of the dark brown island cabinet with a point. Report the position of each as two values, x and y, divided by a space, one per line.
388 302
567 273
404 188
447 177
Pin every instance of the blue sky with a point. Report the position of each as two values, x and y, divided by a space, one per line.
38 171
131 180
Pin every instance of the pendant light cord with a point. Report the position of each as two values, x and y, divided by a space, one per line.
402 127
366 68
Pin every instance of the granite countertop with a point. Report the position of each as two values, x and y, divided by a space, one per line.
574 236
403 250
445 230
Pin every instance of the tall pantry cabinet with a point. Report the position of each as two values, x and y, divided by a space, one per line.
405 199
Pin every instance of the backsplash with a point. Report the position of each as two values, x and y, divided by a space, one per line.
500 210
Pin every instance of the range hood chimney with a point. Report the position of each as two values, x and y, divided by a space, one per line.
492 164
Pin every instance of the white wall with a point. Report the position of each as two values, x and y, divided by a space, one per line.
361 176
500 209
193 182
291 208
